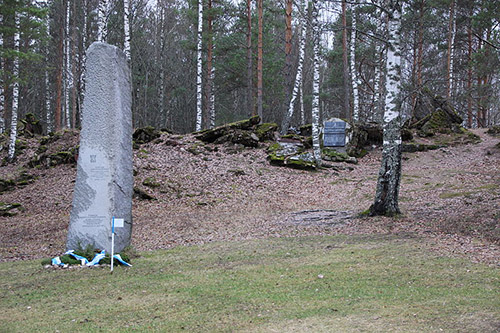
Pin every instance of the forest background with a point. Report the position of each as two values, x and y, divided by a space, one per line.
448 46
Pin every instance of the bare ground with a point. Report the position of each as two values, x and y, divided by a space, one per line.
449 197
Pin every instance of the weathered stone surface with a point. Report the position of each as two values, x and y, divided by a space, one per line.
104 182
145 134
211 135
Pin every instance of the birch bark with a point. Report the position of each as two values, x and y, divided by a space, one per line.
15 93
126 28
102 27
387 193
199 68
67 73
451 42
345 63
315 90
354 76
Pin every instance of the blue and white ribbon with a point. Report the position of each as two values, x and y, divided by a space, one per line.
95 261
119 258
97 258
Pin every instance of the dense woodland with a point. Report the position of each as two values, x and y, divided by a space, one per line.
225 60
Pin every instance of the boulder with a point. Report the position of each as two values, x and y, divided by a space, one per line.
145 134
291 154
30 126
231 132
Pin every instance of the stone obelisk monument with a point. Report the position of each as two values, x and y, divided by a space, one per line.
104 181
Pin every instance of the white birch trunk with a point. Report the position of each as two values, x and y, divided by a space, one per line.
315 90
126 28
199 68
386 197
102 27
298 79
211 100
354 76
451 49
68 71
84 56
302 112
15 93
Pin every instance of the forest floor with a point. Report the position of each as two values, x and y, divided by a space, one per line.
449 197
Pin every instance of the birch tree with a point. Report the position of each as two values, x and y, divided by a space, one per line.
102 26
345 64
451 42
387 192
354 76
68 71
199 69
315 90
298 77
15 92
126 28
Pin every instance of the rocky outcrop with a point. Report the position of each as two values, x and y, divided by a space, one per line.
246 132
145 135
291 154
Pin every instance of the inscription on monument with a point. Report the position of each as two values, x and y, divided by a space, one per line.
93 221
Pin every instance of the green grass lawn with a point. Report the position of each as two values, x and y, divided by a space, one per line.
309 284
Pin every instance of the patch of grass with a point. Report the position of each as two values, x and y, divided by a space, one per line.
316 284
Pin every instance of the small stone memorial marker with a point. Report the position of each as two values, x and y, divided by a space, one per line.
104 181
334 133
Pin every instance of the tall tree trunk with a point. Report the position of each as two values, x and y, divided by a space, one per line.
102 22
345 63
73 71
68 71
15 92
451 41
259 60
354 76
386 197
2 97
210 70
163 112
126 28
59 78
315 90
288 55
250 104
469 74
298 78
199 68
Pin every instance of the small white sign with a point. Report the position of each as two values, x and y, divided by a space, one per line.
119 223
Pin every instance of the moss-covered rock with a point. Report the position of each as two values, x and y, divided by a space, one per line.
414 147
150 182
6 184
494 130
142 195
330 154
211 135
145 135
9 209
30 126
266 131
306 130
